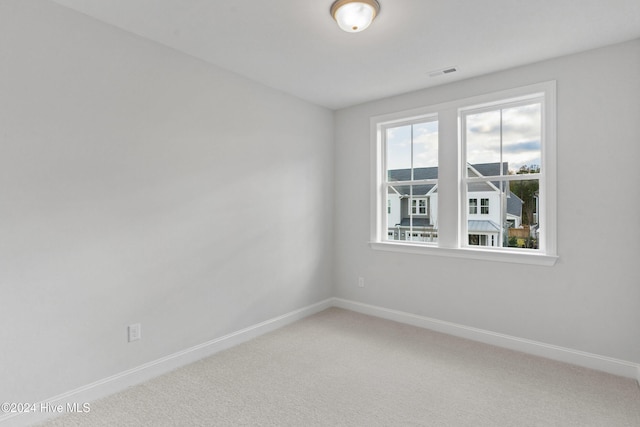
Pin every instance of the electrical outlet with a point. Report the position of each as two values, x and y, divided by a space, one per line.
361 282
135 332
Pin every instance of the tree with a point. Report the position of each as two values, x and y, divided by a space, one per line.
527 190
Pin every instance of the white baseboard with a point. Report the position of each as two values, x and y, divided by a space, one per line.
562 354
145 372
131 377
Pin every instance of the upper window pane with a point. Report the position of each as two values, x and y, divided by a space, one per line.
398 141
483 137
510 136
425 144
522 133
410 147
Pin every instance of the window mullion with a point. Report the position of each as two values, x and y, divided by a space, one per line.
448 180
414 182
517 177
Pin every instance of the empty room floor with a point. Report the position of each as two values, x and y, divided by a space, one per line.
343 368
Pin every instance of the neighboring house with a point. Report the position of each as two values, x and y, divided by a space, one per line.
414 215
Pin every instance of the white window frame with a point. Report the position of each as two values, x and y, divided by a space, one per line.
405 235
452 195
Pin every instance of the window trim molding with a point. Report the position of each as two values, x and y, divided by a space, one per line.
490 254
445 112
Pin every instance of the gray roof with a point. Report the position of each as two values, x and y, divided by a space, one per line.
483 226
418 173
491 169
514 205
485 169
418 190
417 222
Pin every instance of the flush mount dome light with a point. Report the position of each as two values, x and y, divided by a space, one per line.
354 16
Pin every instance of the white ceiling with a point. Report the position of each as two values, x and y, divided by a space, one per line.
295 46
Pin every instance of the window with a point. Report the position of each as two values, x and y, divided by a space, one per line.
470 178
473 206
411 172
419 206
484 206
478 239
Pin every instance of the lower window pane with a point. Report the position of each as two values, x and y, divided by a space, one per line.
411 213
508 214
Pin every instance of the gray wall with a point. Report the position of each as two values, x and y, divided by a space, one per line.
138 184
590 300
125 170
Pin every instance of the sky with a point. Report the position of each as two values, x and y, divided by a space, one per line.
511 133
425 145
521 133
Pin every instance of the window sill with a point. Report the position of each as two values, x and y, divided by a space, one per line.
468 253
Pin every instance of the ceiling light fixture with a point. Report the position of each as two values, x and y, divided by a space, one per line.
354 16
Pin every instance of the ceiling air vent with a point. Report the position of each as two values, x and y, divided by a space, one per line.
443 71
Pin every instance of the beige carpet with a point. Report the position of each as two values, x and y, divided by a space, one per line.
339 368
